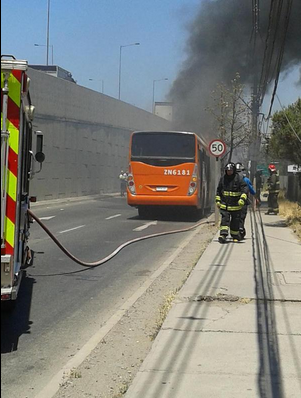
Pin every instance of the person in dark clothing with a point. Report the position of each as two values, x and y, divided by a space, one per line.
273 188
240 168
231 195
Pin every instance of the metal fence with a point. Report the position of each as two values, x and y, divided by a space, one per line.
293 192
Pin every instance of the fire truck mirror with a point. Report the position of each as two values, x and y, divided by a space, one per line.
40 157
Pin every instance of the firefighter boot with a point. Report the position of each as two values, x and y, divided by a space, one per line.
242 233
222 239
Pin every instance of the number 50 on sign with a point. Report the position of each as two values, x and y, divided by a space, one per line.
217 148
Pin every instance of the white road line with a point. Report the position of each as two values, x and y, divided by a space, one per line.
145 226
116 215
47 218
71 229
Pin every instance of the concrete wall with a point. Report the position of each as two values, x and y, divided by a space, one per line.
86 137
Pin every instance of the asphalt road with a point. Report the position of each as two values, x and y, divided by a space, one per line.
61 304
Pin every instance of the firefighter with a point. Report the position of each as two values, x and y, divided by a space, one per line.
240 168
231 195
273 188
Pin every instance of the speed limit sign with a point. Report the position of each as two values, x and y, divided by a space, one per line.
217 148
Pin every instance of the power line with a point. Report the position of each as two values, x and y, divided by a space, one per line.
272 33
280 57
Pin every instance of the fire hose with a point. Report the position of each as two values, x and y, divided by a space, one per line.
116 251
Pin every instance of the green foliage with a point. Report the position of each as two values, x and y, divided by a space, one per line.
284 142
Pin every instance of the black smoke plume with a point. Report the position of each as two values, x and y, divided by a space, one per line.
221 43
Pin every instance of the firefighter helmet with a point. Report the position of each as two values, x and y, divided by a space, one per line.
239 167
230 166
272 167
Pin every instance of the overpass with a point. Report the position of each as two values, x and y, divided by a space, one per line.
86 137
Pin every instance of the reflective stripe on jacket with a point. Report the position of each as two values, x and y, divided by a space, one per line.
230 190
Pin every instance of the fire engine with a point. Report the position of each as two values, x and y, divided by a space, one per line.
21 151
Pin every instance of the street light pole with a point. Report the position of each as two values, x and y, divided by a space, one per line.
154 81
120 49
44 45
47 40
102 83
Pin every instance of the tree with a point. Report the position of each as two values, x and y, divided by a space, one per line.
232 116
285 140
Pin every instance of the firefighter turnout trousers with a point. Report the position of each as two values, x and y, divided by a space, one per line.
242 220
273 206
230 223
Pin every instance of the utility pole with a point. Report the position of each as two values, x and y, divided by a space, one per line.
255 145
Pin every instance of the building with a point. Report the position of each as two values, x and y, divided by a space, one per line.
164 110
54 70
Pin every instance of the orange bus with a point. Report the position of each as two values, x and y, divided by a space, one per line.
168 168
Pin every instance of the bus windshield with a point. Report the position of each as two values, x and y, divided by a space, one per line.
153 148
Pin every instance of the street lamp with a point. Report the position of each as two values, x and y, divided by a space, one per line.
44 45
47 39
127 45
154 81
99 80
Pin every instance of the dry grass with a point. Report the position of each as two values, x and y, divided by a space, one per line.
163 311
292 213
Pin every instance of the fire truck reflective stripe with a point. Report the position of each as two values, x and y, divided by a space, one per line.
13 162
13 113
13 137
12 185
13 126
17 74
14 92
11 209
10 232
9 249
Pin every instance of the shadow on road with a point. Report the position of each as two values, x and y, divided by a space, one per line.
16 322
179 214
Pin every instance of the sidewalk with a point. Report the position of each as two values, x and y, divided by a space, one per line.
235 329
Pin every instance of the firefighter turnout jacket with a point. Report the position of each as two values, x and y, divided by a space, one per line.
273 183
231 193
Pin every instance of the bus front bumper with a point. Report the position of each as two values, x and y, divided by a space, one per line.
160 200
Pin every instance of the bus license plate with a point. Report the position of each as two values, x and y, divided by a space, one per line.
161 189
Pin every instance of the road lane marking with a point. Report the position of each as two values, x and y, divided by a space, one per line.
71 229
145 226
116 215
47 218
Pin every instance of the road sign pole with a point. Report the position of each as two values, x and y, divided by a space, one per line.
217 172
217 148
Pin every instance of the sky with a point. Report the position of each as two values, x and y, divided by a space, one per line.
86 36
